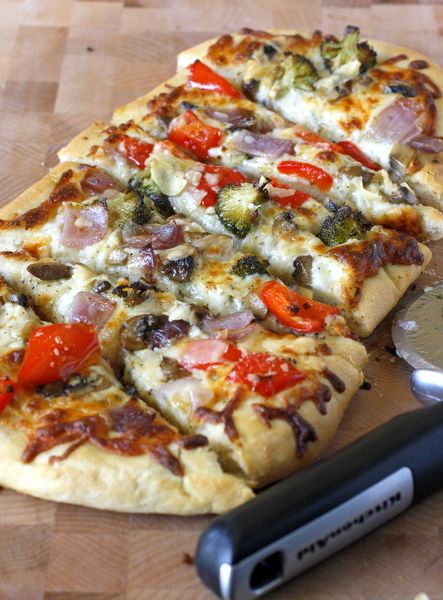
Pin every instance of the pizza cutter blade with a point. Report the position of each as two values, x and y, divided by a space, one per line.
417 332
310 516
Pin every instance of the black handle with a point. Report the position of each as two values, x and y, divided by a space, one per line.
413 440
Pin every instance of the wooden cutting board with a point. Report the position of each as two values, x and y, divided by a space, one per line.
64 63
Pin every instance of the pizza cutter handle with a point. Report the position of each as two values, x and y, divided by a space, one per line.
306 518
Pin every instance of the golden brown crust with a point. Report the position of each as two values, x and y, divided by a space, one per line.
82 145
34 196
381 294
100 479
136 109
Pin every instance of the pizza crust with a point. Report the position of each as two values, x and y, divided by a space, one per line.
82 143
380 294
136 109
99 479
37 193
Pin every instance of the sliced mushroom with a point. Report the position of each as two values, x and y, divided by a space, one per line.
255 304
403 195
180 269
100 286
284 224
172 369
400 87
50 270
250 88
151 331
357 171
302 273
400 159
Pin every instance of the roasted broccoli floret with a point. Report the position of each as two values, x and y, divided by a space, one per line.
342 226
141 213
145 187
295 71
249 265
337 53
129 208
236 206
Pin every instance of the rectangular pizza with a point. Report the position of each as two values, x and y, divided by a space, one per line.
182 296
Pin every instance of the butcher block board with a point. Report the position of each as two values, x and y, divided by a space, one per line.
64 63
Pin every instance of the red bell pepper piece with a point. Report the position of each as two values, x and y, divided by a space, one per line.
265 374
56 351
316 176
6 392
137 151
293 309
352 150
295 200
190 133
204 78
202 354
317 140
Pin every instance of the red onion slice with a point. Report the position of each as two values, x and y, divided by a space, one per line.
427 143
146 258
397 123
84 226
91 308
189 387
233 326
97 182
160 237
259 144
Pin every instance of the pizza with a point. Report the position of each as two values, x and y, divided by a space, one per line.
181 297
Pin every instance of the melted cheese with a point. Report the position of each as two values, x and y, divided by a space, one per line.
16 323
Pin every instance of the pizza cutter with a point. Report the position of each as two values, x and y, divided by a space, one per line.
310 516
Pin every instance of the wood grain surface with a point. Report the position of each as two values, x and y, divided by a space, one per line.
64 63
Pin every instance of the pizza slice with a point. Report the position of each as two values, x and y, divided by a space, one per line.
70 433
383 99
268 403
333 252
214 125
